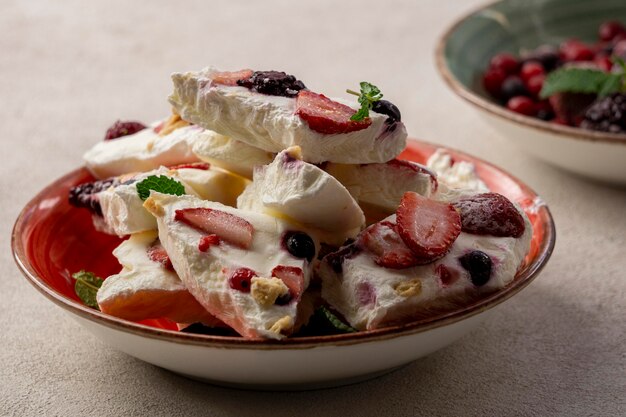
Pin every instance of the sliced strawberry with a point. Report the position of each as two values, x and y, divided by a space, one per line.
157 254
326 116
427 226
193 165
292 276
231 78
383 241
490 214
207 241
228 227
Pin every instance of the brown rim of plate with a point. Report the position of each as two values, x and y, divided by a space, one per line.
479 306
465 93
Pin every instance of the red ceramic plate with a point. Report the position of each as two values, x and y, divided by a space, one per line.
51 240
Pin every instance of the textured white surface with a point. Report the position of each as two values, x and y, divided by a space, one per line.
71 68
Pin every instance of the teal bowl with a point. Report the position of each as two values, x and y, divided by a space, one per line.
463 54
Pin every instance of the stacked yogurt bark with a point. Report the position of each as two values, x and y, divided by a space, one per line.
257 195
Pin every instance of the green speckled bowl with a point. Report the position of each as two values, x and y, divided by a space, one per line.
463 54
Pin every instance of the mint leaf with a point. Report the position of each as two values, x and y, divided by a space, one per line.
324 322
86 287
580 80
162 184
368 95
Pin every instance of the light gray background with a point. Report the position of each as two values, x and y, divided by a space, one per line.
70 68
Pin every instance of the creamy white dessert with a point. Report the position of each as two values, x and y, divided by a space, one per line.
379 187
270 122
146 288
234 262
371 296
122 208
455 174
304 194
230 154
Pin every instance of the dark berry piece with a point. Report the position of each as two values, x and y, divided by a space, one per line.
522 105
511 87
199 328
300 245
336 259
609 30
547 56
241 278
120 129
570 107
478 264
273 83
387 108
490 214
607 114
505 62
284 299
492 81
84 195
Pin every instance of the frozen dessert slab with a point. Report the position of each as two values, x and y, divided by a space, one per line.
273 122
239 265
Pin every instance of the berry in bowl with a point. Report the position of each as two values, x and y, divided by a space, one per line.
552 82
290 257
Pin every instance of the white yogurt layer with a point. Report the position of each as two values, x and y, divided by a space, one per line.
370 296
270 123
206 274
455 174
303 193
145 289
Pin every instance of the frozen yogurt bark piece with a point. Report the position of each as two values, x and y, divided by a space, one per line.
247 269
379 187
273 111
230 154
147 286
303 194
118 209
381 279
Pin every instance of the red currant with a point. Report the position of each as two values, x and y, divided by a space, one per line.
522 105
504 62
530 69
575 50
535 84
609 30
492 81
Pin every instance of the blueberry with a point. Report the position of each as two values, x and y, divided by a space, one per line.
284 299
545 115
300 245
513 86
387 108
547 55
478 264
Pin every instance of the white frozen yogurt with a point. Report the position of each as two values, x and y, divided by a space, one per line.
270 123
455 174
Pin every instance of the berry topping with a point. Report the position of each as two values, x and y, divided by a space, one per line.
300 245
522 105
231 77
336 259
366 293
427 226
490 214
293 277
273 83
478 264
389 250
504 62
228 227
326 116
447 276
120 129
387 108
157 254
84 195
608 114
193 165
207 241
241 278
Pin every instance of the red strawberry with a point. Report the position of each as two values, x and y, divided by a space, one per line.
228 227
193 165
207 241
157 253
383 241
231 78
490 214
292 276
326 116
427 226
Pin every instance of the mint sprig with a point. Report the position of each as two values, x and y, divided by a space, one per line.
86 287
161 184
367 97
583 80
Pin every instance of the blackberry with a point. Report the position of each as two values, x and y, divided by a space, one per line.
389 109
478 264
300 245
273 83
84 195
607 114
120 129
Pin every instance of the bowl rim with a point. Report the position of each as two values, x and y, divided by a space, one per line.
484 303
566 132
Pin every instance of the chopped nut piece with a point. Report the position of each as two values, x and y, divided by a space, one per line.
409 288
285 323
295 152
153 207
265 291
